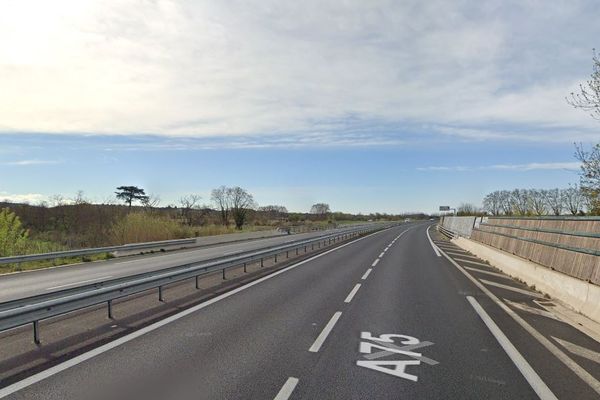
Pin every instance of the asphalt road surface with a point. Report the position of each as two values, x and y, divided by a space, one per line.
383 317
25 284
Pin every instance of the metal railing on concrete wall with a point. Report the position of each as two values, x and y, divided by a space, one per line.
570 245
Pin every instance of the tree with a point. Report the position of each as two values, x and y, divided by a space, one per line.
240 202
590 176
188 204
573 199
555 200
520 201
506 202
466 209
537 201
492 202
320 209
13 237
588 98
274 211
221 200
129 194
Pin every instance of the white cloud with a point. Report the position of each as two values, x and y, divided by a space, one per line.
508 167
31 162
269 67
31 198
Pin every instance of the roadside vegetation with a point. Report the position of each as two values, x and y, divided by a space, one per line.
133 216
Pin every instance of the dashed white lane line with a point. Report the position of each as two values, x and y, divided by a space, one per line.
80 282
40 376
352 293
366 274
286 390
381 255
437 252
375 262
534 380
325 332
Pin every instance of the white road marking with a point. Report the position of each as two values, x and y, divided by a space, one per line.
435 248
325 332
352 293
579 350
286 390
534 380
40 376
483 271
551 347
382 254
80 282
456 253
531 310
473 262
366 274
375 262
514 289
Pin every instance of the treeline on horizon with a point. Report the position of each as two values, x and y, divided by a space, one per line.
135 217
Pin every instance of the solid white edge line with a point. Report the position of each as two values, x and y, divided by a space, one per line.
40 376
375 262
80 282
352 293
435 248
366 274
534 380
325 332
286 390
551 347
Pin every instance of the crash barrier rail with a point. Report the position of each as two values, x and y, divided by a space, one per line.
32 310
570 245
446 232
97 250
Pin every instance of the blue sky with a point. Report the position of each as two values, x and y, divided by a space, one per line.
368 106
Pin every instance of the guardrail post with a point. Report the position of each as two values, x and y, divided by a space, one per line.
312 246
261 263
197 283
160 294
223 273
319 244
305 248
287 254
296 251
36 332
109 306
245 267
275 257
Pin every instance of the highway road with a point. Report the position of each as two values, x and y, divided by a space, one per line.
387 316
30 283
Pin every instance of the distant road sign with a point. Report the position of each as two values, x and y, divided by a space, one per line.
444 208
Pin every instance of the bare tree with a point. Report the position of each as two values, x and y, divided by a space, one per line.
573 199
537 201
521 202
57 200
492 202
240 201
150 202
320 209
506 202
274 211
590 176
554 200
588 98
466 209
220 198
80 198
188 204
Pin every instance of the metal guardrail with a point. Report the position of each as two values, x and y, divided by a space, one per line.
97 250
33 309
446 232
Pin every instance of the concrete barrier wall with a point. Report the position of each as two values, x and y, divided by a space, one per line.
581 296
567 245
462 226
